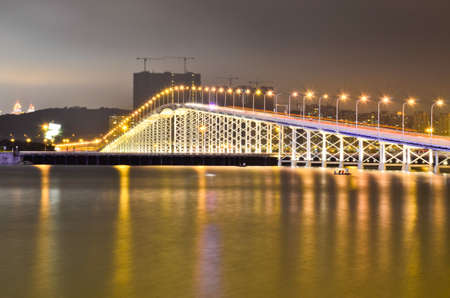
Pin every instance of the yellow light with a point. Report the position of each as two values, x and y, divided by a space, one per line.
207 89
194 88
411 101
309 94
124 127
385 99
28 140
167 91
238 91
363 98
171 89
343 96
230 90
258 92
202 128
269 93
176 88
213 89
158 96
294 94
45 126
12 140
182 87
325 96
429 130
247 91
80 140
440 102
199 88
220 90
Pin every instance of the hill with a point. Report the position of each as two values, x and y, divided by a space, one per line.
78 121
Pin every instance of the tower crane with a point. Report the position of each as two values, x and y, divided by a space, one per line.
149 60
257 83
185 60
230 79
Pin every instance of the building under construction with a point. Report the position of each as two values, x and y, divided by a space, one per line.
146 84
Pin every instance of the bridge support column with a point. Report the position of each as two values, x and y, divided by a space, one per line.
360 154
406 159
324 150
430 160
341 151
308 148
382 157
436 162
280 144
294 148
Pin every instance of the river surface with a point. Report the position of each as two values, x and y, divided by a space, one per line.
222 232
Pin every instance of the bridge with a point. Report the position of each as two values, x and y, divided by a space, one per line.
199 120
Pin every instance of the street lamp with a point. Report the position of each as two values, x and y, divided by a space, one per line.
342 97
238 92
439 102
276 102
410 101
293 94
229 91
257 92
325 96
268 93
221 90
363 98
308 95
247 92
385 99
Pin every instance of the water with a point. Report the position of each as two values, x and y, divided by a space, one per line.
222 232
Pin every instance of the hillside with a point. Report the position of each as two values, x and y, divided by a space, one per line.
82 122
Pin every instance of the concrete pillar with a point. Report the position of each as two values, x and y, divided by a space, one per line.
382 157
324 150
341 151
294 148
436 162
360 154
308 148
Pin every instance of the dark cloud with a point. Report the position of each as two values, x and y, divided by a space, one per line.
61 52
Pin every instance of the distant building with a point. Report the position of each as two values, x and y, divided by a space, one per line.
443 124
114 120
17 109
420 121
146 84
31 108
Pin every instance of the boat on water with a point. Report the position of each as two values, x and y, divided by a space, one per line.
343 172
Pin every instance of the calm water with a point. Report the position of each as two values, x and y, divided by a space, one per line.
222 232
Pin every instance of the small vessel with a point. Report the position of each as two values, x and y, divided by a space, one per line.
344 172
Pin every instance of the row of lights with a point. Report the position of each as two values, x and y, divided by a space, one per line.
124 124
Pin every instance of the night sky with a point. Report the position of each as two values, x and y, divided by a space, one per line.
83 53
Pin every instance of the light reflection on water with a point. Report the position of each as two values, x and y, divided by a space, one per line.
222 232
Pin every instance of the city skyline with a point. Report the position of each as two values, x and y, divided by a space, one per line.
65 54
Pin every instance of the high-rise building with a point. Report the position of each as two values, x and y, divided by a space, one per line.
146 84
31 108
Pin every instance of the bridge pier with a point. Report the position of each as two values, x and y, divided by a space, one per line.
341 151
294 148
406 159
382 157
324 150
308 148
360 154
436 163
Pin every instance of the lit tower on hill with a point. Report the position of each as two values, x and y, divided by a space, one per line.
31 108
17 109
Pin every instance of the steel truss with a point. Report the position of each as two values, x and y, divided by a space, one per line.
187 130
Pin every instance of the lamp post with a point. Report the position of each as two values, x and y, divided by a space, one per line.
221 90
384 99
439 102
276 102
325 96
229 91
268 93
308 95
258 93
293 94
238 92
247 92
363 98
342 97
182 91
411 101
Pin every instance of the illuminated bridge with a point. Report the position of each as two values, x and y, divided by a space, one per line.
197 121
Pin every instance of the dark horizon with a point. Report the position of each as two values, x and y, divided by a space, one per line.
61 53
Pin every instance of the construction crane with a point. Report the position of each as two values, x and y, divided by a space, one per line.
257 83
185 60
230 80
149 60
